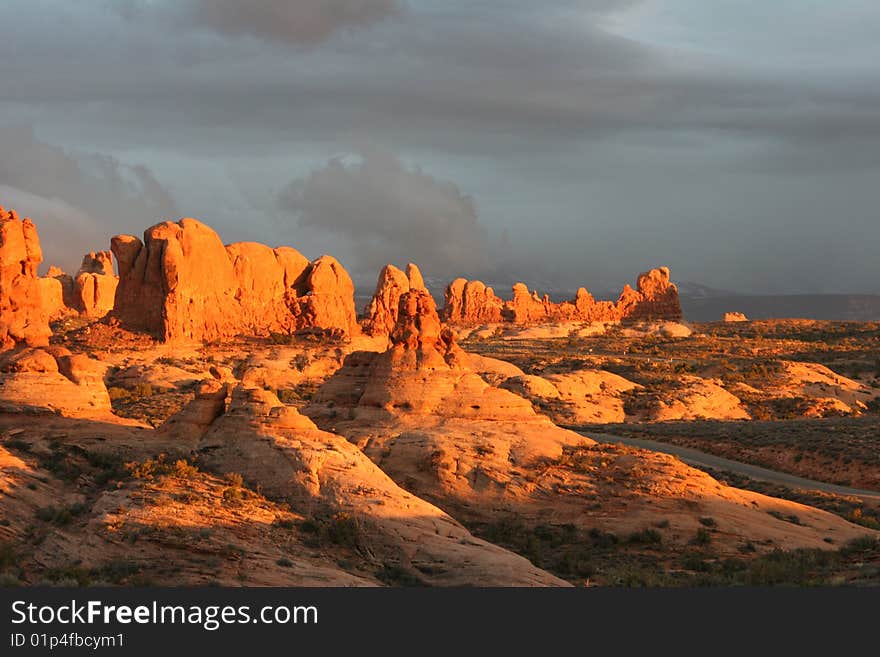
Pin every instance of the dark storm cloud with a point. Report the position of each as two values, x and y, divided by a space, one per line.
601 149
384 212
77 202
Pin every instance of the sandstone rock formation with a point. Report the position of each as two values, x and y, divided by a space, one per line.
53 380
23 317
469 303
95 285
51 289
182 283
380 315
68 291
734 317
249 431
414 276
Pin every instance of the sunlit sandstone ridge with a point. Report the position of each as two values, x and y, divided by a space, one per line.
181 283
471 302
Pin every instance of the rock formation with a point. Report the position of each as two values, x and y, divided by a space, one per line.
249 431
425 395
380 314
53 380
68 291
23 317
182 283
734 317
53 294
95 285
470 303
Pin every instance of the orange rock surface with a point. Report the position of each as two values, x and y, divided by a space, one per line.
23 318
95 284
182 284
380 314
468 303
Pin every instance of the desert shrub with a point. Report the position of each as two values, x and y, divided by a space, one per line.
8 556
287 396
394 575
117 394
343 530
60 516
646 536
232 496
793 519
702 537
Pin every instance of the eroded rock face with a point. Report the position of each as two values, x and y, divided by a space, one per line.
380 314
469 303
734 317
182 284
23 317
95 284
53 380
326 300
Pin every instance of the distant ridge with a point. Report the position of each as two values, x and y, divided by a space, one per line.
839 307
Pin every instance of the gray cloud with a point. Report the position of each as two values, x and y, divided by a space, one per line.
602 142
284 21
384 212
77 202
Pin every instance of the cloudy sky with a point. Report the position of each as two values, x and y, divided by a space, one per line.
574 141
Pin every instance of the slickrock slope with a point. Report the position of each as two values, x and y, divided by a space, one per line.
23 317
469 303
577 397
380 315
95 285
53 380
271 445
182 284
694 398
825 391
160 522
427 419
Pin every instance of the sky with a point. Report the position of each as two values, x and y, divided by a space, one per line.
573 142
